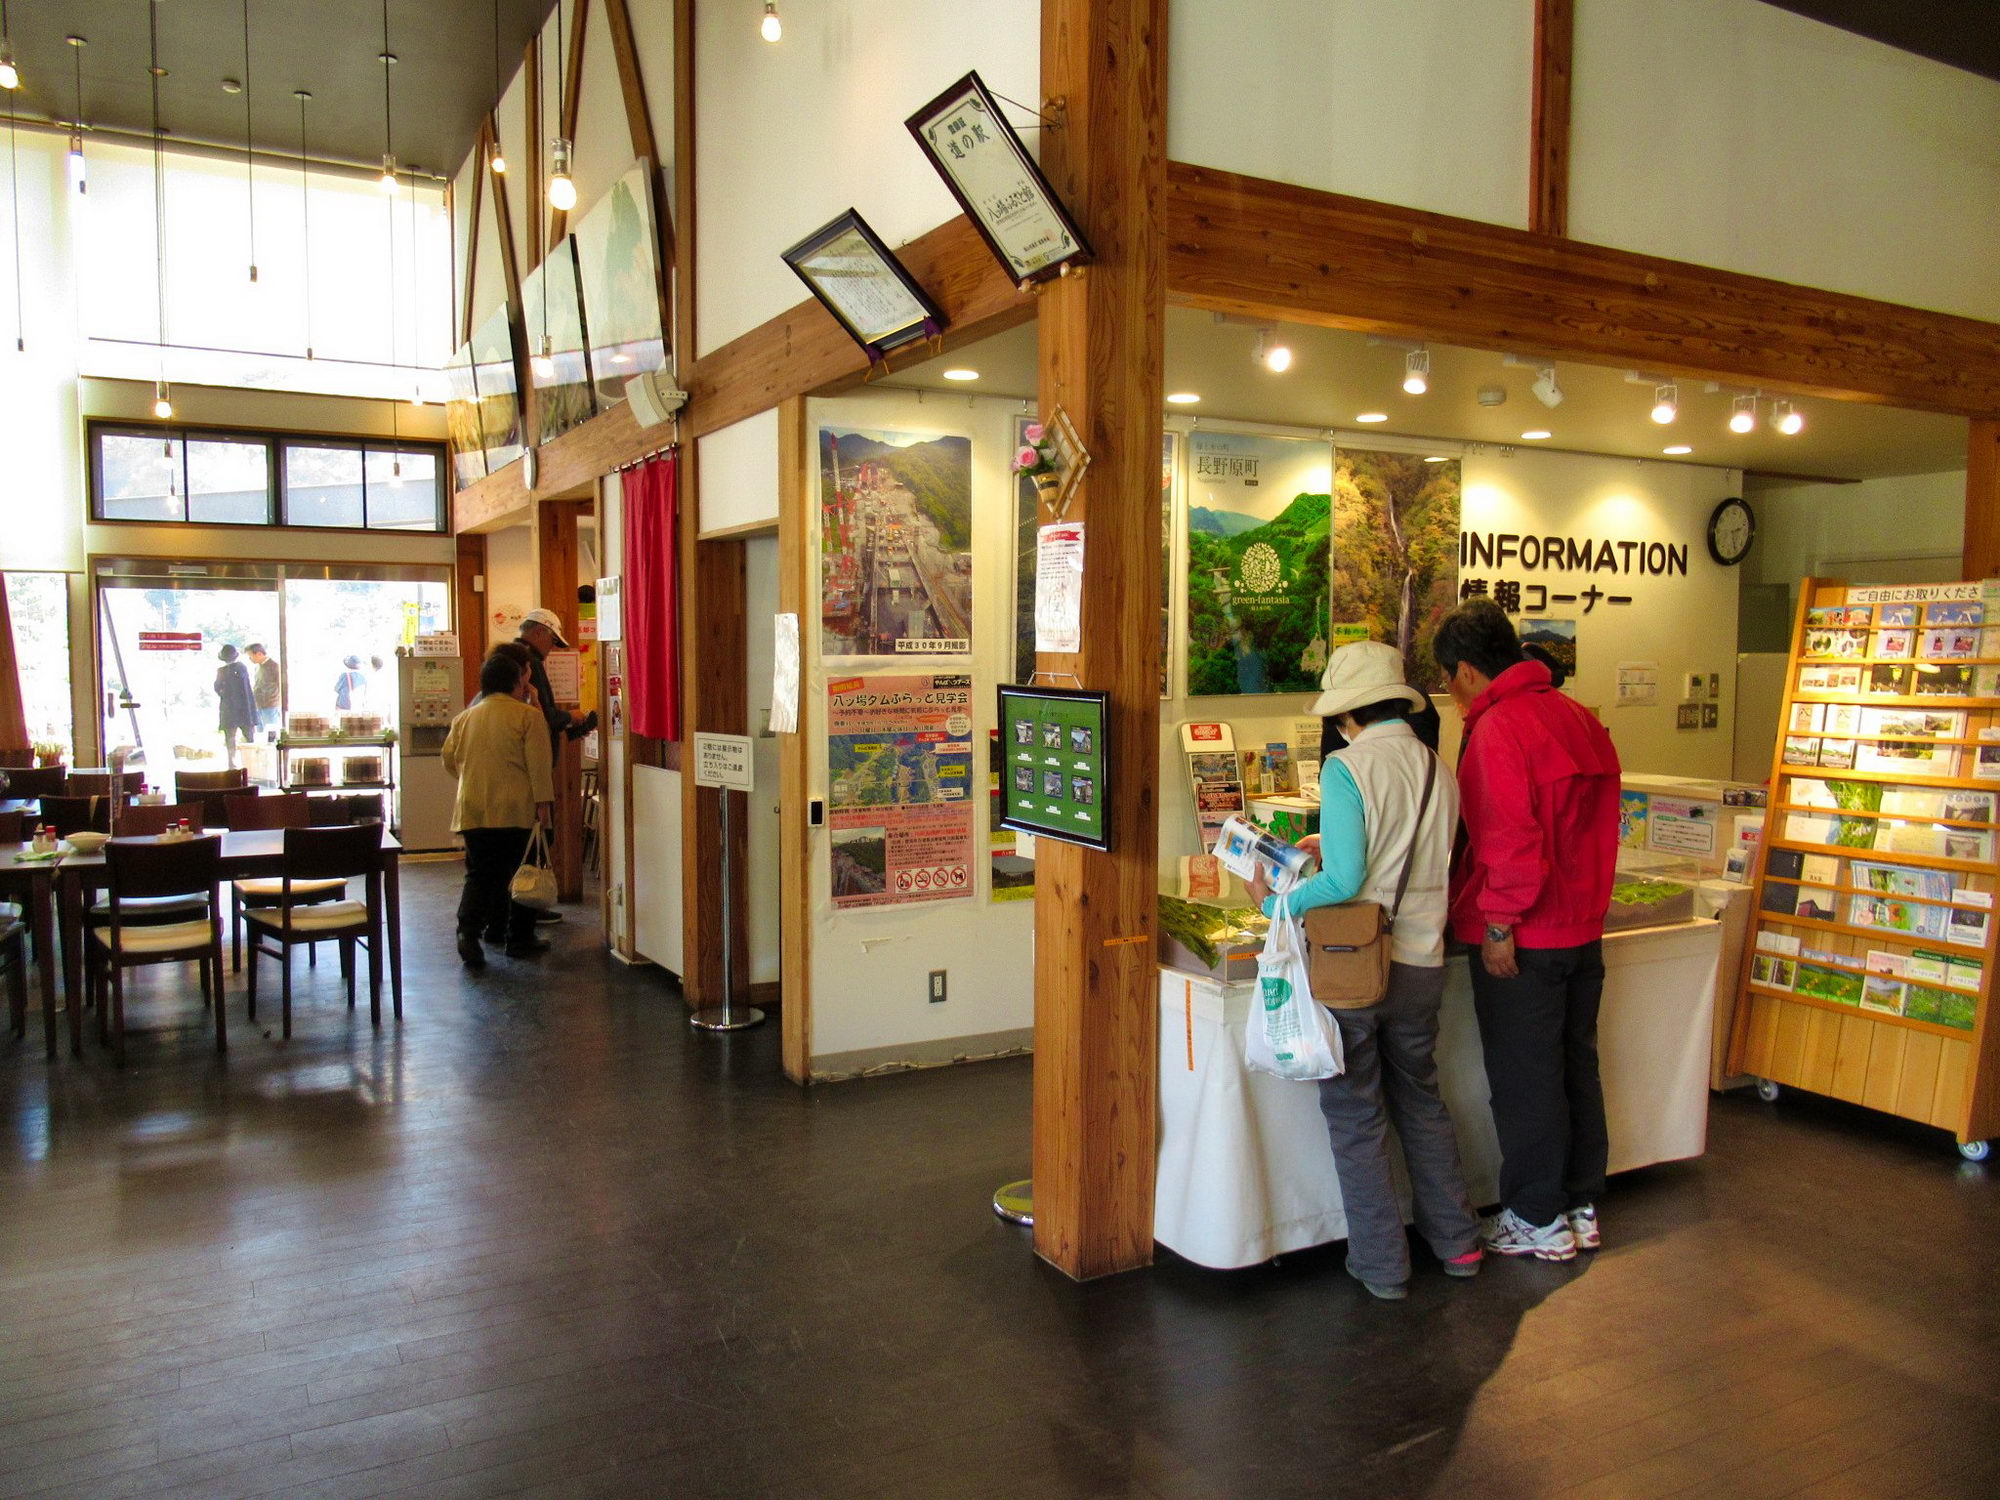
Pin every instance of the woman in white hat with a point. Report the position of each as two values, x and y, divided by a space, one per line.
1386 798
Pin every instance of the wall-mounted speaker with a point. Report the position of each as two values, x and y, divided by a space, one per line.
653 398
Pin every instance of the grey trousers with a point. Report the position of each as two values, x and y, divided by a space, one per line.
1392 1076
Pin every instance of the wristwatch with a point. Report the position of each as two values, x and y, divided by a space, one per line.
1495 933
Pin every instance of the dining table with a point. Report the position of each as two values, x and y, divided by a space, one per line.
35 878
246 854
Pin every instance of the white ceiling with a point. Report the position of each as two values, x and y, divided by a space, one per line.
1337 376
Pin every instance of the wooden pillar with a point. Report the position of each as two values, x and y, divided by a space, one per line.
1982 500
555 551
1548 165
1101 347
469 605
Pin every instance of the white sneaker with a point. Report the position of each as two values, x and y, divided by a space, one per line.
1507 1233
1583 1225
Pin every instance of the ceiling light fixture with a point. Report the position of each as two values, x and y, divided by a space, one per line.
1437 458
498 161
1666 403
562 187
79 172
1536 435
1545 388
163 406
388 60
1417 371
305 219
249 157
1273 353
1372 416
771 28
1743 414
1182 398
961 374
1675 450
1787 418
10 74
544 362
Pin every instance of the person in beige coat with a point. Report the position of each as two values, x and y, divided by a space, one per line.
498 749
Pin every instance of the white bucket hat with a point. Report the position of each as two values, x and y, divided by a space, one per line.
1361 673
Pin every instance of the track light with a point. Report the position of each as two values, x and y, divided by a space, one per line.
1666 403
1273 353
1743 414
1545 388
1787 418
562 188
771 28
1417 371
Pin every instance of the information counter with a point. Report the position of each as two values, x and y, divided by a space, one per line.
1245 1171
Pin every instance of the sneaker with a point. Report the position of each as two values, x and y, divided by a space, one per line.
470 952
1583 1225
1507 1233
1465 1265
1388 1291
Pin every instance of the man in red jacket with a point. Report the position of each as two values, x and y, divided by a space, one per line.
1538 779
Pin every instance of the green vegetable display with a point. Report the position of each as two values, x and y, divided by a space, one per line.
1199 928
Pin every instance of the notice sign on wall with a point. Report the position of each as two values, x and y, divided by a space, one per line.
170 640
900 789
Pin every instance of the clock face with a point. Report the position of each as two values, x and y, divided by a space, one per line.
1731 528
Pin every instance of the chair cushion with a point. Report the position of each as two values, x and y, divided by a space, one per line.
269 890
167 937
324 917
147 908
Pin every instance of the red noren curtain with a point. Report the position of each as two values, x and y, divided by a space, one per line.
652 592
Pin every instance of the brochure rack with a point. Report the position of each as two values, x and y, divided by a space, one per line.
1869 970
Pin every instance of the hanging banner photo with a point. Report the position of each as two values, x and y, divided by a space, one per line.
1395 552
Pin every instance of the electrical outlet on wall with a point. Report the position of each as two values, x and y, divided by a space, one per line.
937 987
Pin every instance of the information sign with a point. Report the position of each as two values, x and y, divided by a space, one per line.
1057 758
723 760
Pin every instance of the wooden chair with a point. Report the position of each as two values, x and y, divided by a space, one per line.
69 815
98 783
211 789
593 807
141 870
37 781
14 962
344 811
323 854
11 758
289 810
157 817
13 826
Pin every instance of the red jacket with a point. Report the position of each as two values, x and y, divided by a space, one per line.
1538 782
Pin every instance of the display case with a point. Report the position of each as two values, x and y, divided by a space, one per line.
1209 924
1652 890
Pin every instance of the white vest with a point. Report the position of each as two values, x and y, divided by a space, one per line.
1387 763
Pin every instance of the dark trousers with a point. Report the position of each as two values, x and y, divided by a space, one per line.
1539 1034
492 855
1391 1077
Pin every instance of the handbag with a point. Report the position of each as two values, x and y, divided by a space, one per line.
1348 946
534 884
1286 1035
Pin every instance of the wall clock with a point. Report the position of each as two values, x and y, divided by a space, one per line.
1732 526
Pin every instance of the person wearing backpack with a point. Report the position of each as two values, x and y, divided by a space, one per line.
1386 804
498 750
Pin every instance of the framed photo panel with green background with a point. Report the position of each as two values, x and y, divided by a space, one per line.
1056 764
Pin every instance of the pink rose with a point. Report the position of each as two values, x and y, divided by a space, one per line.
1027 458
1032 432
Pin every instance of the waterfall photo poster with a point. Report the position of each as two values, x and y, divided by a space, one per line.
1259 514
1395 552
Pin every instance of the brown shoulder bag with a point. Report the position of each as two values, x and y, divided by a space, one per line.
1347 946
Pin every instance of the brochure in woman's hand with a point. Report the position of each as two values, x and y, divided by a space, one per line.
1245 850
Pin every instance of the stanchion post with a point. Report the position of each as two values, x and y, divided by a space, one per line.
723 762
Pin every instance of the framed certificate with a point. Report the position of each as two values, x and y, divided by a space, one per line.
1055 743
858 279
996 182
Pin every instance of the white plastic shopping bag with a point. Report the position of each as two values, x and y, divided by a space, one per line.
1289 1035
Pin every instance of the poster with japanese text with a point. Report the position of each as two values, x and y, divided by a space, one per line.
1395 551
901 794
895 543
1259 532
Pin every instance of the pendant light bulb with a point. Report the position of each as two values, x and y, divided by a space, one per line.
771 28
544 363
10 73
499 162
387 181
562 189
1743 414
1417 372
396 472
1666 403
163 407
1787 418
79 171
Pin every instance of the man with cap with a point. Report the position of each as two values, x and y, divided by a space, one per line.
541 633
1386 800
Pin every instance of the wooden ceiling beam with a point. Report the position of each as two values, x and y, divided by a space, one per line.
1548 162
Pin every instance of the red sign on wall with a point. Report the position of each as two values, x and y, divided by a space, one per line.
170 640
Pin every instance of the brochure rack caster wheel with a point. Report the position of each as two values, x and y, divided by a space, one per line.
1975 1150
1768 1091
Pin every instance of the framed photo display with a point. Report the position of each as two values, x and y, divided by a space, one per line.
858 279
1056 761
981 159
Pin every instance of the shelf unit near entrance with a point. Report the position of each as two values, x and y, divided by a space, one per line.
1927 1066
379 744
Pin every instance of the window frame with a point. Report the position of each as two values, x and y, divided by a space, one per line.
276 443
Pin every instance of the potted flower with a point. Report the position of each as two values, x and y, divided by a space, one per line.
1037 458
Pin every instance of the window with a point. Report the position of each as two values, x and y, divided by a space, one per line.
207 478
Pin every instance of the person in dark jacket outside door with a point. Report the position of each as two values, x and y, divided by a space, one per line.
236 714
1538 782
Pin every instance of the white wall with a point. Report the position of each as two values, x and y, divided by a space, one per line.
794 133
1883 527
1421 102
739 475
512 584
870 967
656 866
1735 134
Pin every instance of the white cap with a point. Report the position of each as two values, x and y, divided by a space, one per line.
1361 673
548 620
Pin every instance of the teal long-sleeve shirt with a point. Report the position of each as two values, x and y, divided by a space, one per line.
1343 845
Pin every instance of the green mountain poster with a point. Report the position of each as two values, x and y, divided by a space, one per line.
1395 553
1259 513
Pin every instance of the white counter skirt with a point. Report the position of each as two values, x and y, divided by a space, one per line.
1245 1171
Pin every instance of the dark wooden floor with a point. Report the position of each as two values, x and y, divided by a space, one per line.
543 1241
